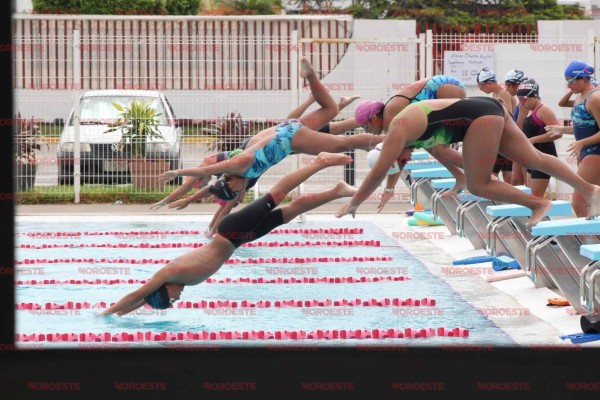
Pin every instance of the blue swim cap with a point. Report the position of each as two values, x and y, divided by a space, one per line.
579 69
159 298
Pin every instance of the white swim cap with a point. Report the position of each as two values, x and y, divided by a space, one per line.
515 76
374 155
486 75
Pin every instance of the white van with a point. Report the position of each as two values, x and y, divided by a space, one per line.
102 161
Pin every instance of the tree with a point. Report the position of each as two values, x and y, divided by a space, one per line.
463 12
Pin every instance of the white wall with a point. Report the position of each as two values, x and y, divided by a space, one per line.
350 75
22 6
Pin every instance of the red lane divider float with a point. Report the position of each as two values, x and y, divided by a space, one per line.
409 302
324 279
260 260
369 243
44 235
149 336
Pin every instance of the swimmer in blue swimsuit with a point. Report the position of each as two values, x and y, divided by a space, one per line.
585 116
250 223
272 145
486 129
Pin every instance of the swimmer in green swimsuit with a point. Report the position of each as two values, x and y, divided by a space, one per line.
486 129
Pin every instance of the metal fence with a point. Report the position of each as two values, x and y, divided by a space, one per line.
230 77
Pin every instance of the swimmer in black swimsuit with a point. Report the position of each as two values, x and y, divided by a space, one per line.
250 223
485 128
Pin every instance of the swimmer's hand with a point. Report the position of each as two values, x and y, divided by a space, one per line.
167 176
347 209
179 204
208 233
104 314
556 131
385 197
158 205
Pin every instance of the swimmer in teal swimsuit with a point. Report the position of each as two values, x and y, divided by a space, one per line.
272 145
586 127
486 129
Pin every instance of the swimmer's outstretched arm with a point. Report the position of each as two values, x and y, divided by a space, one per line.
135 299
176 194
390 151
180 204
234 166
339 127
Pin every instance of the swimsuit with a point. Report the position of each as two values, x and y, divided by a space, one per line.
584 126
429 91
450 124
533 126
274 151
251 222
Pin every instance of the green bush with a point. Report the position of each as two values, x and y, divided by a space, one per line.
183 7
122 7
56 6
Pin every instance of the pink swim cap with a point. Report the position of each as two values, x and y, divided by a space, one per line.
366 110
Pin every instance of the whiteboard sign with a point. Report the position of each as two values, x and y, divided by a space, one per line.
465 65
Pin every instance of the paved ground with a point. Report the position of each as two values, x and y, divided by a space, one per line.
200 208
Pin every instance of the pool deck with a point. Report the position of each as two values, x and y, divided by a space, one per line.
513 304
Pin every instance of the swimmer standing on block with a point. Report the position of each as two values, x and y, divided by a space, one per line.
485 128
250 223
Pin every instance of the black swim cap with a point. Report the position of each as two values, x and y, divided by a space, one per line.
221 189
159 298
529 88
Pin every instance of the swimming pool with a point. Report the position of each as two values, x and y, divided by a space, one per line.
331 283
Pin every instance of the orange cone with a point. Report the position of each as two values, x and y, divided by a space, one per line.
418 207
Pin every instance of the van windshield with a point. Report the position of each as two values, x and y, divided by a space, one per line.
100 110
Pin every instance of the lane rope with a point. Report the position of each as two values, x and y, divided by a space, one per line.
151 336
353 243
258 260
385 302
280 280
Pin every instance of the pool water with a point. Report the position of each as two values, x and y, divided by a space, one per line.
450 310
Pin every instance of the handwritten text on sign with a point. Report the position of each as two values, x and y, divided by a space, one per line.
465 65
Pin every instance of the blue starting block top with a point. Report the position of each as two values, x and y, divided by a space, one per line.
523 188
420 155
431 173
465 196
559 208
411 166
446 183
569 226
591 251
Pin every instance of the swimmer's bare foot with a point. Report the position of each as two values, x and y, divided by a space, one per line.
306 68
539 212
344 190
458 187
328 159
594 204
346 101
